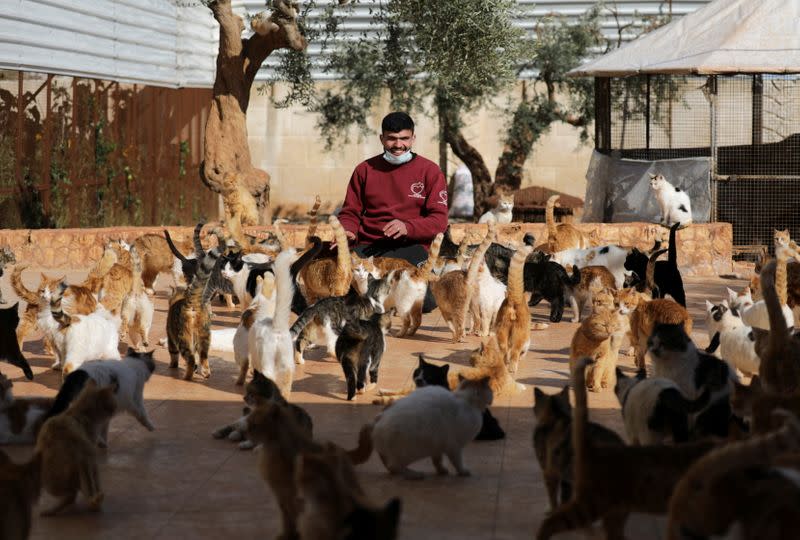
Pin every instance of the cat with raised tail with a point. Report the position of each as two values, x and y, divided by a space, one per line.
513 321
452 419
673 202
502 213
560 236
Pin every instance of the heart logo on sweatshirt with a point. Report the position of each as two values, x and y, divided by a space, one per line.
443 197
416 190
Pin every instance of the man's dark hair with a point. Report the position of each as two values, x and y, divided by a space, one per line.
397 121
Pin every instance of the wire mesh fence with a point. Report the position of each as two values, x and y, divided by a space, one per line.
748 124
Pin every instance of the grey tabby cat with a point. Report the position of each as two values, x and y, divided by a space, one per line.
329 315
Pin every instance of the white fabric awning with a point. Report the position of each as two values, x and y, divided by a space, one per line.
726 36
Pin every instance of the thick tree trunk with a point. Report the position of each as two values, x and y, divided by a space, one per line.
531 120
481 179
226 168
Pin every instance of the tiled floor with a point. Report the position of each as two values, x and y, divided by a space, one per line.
178 482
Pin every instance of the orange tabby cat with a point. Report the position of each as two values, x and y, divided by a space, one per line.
593 339
67 443
29 317
329 277
592 278
332 503
612 481
646 316
513 326
453 290
20 485
737 484
487 361
560 236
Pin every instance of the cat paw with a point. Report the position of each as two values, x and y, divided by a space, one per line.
370 386
150 291
96 502
162 342
220 433
235 436
247 445
299 360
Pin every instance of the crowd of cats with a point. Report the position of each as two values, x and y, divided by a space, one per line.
718 457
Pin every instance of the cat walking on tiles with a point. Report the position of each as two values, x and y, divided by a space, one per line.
673 202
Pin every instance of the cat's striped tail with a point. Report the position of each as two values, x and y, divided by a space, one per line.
516 271
361 453
284 289
550 218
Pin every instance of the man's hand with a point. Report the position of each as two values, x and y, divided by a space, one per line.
395 229
351 237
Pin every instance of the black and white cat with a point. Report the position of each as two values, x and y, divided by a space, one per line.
673 202
676 357
131 373
655 410
359 349
547 280
732 337
428 374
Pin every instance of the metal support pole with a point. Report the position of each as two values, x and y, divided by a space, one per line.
712 98
647 116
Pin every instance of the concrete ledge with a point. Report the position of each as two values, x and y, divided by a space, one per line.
703 249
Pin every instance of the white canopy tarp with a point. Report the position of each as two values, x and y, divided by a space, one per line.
725 36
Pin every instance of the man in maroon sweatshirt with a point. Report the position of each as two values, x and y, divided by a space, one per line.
396 202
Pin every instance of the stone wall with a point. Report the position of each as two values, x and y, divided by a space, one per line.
703 250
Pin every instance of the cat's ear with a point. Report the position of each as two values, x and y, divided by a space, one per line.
709 306
538 394
562 401
445 369
421 359
652 176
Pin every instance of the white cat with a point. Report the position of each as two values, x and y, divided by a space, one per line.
655 410
486 303
734 340
611 256
79 338
673 201
430 422
502 213
756 316
740 301
131 373
269 341
238 277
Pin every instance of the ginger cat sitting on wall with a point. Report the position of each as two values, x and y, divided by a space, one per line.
561 236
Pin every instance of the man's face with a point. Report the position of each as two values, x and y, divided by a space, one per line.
397 143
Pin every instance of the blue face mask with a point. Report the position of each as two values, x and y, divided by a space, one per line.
397 160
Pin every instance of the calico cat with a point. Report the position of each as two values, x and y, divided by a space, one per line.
329 277
611 256
613 481
644 318
502 213
376 267
675 357
560 236
408 289
400 439
655 410
593 280
129 375
258 391
779 350
548 280
69 452
326 318
9 346
552 442
735 340
20 418
513 320
333 504
78 338
189 319
593 339
667 277
30 315
282 439
359 348
138 309
673 202
453 291
269 340
742 483
20 486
